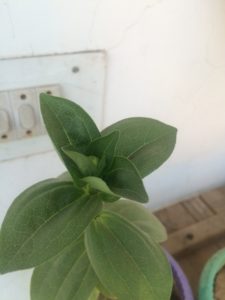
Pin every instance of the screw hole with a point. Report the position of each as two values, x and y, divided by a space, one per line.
4 136
28 132
23 96
189 236
49 92
75 69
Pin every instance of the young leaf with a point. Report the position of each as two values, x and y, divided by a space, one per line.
146 142
67 123
84 163
127 263
104 148
65 277
124 180
40 225
139 216
98 184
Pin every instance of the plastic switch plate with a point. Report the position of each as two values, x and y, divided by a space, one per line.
76 76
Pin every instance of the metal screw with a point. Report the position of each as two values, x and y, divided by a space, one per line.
75 69
23 96
28 132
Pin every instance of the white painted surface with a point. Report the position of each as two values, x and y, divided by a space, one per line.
166 60
53 73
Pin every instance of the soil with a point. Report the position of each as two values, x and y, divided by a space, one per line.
175 297
175 294
219 288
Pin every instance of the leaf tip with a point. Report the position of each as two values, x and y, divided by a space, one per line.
44 98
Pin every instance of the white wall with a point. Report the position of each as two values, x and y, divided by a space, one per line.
166 60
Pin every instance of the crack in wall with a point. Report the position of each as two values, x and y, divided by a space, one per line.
93 22
132 25
8 9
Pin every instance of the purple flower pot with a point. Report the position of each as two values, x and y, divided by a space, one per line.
180 279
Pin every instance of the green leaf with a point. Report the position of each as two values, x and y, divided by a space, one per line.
127 263
105 295
124 180
94 295
139 216
104 148
98 184
42 222
87 165
67 123
65 277
146 142
65 177
28 194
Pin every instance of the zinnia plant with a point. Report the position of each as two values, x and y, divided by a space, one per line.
86 233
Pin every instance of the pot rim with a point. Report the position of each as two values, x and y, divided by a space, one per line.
209 273
180 278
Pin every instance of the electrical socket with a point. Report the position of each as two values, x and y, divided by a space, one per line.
7 126
76 76
20 116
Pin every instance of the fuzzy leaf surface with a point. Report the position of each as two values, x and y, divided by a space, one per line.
67 123
68 276
41 222
146 142
98 184
104 148
124 180
127 263
139 216
84 163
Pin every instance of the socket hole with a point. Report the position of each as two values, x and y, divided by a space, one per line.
23 96
189 236
28 132
4 136
49 92
75 69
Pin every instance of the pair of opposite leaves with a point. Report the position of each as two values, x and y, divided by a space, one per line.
34 231
121 248
117 158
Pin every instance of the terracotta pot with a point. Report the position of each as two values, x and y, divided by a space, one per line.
180 280
209 274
